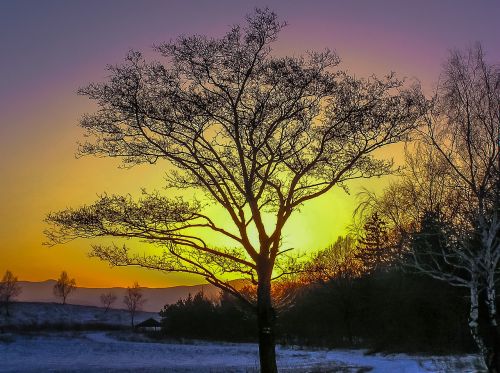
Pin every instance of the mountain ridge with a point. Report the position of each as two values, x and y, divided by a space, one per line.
156 298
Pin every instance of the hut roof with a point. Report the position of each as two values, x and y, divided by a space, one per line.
149 323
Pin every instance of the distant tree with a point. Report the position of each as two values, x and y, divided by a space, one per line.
107 299
337 261
9 289
64 287
435 235
336 269
374 249
192 317
257 134
134 301
201 318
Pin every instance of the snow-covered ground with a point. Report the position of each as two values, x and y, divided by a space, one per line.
34 313
102 352
125 351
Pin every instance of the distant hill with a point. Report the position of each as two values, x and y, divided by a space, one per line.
156 297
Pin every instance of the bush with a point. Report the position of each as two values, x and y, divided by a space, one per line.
200 318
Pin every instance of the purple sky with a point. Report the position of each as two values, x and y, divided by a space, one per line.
50 48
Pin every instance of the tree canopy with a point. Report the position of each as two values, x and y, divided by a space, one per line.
255 132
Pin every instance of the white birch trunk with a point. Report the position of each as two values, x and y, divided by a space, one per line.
474 318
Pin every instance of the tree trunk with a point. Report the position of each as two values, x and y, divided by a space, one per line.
266 318
474 322
493 359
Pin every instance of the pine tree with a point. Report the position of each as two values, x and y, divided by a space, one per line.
374 248
434 244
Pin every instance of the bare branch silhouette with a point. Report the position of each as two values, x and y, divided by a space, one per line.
107 299
64 286
449 200
134 301
9 289
257 134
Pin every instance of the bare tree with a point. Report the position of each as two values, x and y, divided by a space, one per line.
107 299
259 135
454 180
133 300
465 129
9 289
336 262
64 286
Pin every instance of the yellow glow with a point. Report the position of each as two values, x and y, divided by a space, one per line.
43 175
56 180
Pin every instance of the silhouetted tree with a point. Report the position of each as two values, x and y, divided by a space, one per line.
198 317
390 310
64 286
338 261
435 235
134 301
454 179
259 135
464 127
9 289
336 269
107 299
375 249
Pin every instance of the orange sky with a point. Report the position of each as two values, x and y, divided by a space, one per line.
50 50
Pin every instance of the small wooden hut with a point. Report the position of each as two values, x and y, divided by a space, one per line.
149 325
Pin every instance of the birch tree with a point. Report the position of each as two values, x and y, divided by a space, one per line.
453 182
464 127
258 134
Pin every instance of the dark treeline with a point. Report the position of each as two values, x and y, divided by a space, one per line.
382 311
360 292
202 318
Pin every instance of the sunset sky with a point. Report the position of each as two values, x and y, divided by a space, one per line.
50 48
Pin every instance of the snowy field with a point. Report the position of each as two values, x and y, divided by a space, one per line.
34 313
103 352
122 351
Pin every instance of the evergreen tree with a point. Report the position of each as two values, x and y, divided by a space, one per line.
375 250
434 244
202 318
